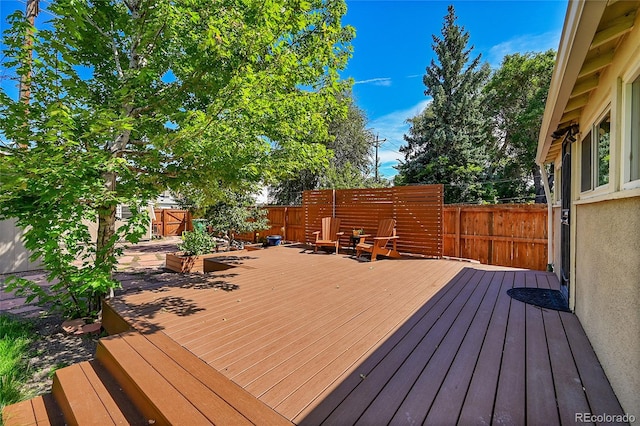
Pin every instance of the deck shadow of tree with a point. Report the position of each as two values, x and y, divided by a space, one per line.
145 313
160 282
211 285
158 248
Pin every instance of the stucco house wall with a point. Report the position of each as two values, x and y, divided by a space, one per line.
607 294
607 238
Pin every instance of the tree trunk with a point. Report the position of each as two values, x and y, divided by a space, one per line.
106 223
104 250
538 185
33 8
106 230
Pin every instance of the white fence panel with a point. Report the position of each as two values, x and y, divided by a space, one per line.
13 256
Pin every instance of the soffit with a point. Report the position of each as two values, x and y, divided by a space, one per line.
616 20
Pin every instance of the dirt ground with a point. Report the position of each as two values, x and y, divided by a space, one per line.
53 349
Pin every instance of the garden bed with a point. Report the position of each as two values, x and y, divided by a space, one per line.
178 262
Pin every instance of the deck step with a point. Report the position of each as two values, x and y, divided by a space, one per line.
40 411
87 394
112 321
169 385
142 379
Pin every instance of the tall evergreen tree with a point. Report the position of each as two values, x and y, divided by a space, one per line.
515 97
446 142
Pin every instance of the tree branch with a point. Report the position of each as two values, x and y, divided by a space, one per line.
144 172
116 55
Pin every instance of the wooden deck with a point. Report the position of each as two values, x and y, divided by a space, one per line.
327 339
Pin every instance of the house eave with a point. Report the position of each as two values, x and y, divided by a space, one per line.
580 26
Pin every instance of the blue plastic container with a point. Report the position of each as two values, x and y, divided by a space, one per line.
274 240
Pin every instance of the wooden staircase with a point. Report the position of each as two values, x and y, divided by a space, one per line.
141 379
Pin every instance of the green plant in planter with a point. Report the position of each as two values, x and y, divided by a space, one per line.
196 243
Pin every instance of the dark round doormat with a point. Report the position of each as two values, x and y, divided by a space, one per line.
542 297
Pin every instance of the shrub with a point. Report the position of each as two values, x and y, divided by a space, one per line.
195 243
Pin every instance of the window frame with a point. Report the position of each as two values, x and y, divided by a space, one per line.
627 102
592 137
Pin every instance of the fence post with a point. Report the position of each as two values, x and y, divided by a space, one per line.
458 250
285 220
333 209
490 242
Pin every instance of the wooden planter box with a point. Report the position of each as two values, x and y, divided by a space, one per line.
180 263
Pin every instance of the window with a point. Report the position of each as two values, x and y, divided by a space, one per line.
602 142
585 179
634 149
595 156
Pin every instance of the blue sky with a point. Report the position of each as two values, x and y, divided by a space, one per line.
392 48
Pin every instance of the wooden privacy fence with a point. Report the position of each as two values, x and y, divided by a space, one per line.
504 234
286 221
417 210
512 235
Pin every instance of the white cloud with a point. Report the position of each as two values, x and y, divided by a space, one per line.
523 44
393 127
381 81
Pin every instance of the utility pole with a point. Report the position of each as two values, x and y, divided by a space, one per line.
377 143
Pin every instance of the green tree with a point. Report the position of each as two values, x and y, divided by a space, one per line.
351 144
446 142
515 99
235 213
130 97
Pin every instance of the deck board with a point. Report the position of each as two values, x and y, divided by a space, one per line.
343 403
452 393
328 339
154 386
188 386
571 398
76 395
21 413
478 405
511 382
418 401
541 406
593 379
244 403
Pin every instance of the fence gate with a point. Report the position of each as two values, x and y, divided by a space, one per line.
171 222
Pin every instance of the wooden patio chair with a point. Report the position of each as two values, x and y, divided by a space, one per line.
330 234
386 233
